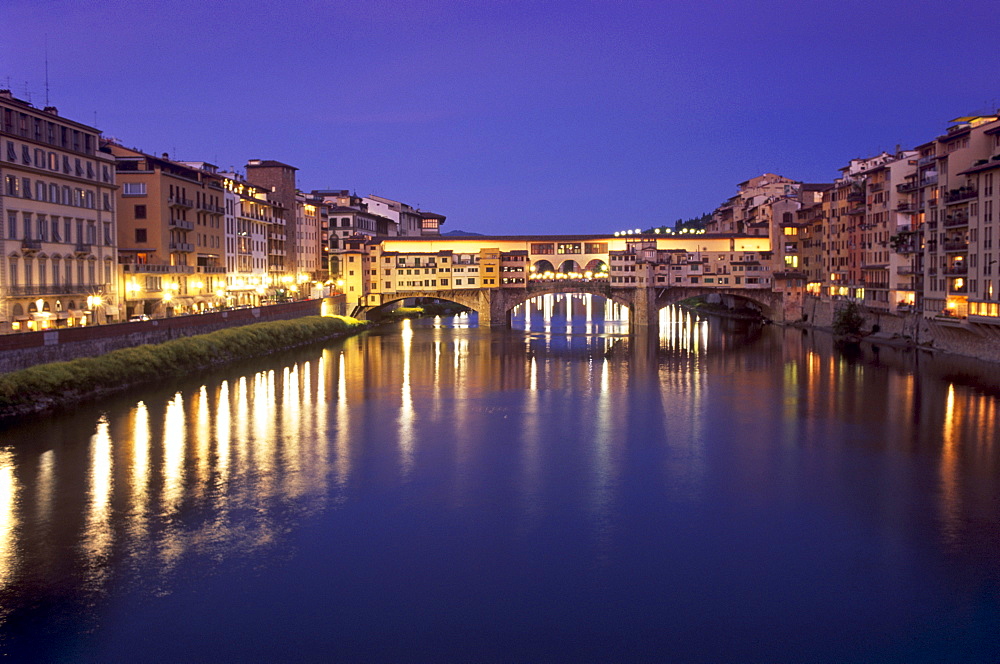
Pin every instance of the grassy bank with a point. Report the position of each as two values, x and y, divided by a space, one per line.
58 383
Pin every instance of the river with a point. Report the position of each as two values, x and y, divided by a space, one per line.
433 491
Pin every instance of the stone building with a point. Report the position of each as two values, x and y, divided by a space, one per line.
58 221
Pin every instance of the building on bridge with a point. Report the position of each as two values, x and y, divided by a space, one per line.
480 271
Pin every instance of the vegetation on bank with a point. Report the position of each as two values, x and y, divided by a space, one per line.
47 385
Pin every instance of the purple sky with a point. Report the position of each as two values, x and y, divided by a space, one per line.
514 117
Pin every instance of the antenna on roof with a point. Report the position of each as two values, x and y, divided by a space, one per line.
47 73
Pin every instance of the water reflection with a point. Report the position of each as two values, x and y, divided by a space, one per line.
9 509
533 428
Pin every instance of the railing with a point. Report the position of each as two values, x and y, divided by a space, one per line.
35 245
955 245
83 248
906 271
956 271
146 268
54 289
959 195
181 246
182 224
907 207
952 221
181 201
926 159
211 269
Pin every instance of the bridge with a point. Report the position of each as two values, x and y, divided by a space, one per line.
494 274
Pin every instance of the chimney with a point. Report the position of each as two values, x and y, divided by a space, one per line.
5 93
51 110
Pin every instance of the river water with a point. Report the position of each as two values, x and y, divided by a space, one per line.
559 492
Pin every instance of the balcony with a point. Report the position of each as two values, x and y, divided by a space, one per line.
955 245
956 270
83 248
857 211
184 247
908 207
147 268
180 201
856 196
876 187
907 271
211 269
182 224
960 194
31 245
55 289
956 220
926 159
908 187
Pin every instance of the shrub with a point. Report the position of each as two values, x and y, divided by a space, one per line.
848 320
56 381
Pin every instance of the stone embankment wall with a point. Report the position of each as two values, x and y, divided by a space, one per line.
19 351
959 337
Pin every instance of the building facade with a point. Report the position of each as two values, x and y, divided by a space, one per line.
58 214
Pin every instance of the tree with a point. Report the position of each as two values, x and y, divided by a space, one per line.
848 320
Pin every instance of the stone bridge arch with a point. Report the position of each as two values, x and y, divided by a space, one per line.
766 301
494 305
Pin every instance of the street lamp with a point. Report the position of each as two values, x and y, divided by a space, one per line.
130 288
93 302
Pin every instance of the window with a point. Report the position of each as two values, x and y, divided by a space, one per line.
134 189
140 235
11 151
40 191
54 193
56 237
26 187
12 225
25 155
12 188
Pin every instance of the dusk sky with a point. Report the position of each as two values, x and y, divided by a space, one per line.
513 117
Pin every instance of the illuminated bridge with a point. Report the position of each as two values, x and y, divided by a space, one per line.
494 274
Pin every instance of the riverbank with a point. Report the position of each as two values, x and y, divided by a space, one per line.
58 384
953 336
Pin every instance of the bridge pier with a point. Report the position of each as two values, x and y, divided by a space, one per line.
645 313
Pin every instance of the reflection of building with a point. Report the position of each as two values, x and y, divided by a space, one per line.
170 232
57 202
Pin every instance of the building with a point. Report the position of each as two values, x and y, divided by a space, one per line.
57 221
170 233
279 179
250 214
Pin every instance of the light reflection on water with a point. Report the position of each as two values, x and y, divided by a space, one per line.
607 439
